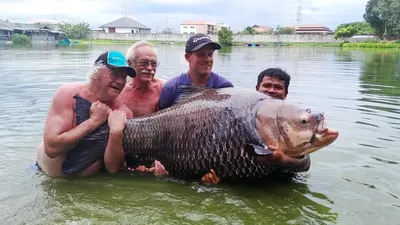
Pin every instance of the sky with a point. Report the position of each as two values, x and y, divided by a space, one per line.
160 14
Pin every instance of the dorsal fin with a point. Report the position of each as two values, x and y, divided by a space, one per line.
186 91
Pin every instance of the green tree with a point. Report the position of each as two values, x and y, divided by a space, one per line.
20 40
384 17
225 36
361 27
249 30
76 31
284 30
345 32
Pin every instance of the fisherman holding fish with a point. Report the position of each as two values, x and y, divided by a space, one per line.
141 93
199 54
275 83
63 132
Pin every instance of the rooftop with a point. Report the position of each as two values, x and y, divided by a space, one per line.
125 22
5 26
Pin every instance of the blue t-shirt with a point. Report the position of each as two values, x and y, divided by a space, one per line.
169 92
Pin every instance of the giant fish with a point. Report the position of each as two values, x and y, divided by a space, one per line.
220 129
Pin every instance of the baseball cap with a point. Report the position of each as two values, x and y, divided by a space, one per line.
198 41
114 59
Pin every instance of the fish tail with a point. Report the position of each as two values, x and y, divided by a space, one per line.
91 148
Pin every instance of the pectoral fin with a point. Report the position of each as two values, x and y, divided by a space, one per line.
260 150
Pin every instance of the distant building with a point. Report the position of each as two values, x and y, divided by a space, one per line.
125 25
262 28
313 29
37 32
200 26
5 31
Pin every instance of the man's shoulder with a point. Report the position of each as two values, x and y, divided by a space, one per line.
69 89
175 81
220 81
64 96
120 105
158 83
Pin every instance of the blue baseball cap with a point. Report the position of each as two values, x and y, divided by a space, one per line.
114 59
200 40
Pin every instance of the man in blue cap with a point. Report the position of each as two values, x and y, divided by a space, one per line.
199 54
106 80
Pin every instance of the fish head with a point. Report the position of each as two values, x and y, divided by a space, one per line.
295 131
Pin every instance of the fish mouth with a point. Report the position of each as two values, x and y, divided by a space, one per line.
322 137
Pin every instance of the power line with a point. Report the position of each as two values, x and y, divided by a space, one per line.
125 8
299 8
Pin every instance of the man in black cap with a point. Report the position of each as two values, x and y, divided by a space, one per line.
199 53
62 133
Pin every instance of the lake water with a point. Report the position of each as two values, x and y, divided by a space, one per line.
356 180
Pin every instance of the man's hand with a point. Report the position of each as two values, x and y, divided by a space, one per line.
99 113
290 163
117 121
158 169
210 178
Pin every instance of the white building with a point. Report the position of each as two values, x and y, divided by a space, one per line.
200 26
125 25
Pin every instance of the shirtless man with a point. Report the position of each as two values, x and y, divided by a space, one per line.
141 93
106 80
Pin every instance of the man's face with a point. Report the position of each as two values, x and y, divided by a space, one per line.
145 63
201 61
273 87
111 81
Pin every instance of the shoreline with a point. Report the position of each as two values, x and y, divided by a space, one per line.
181 43
353 45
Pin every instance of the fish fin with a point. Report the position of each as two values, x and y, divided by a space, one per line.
186 91
91 148
258 150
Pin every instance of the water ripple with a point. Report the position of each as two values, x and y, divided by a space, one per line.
359 91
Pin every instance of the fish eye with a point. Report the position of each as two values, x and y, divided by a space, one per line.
303 119
308 110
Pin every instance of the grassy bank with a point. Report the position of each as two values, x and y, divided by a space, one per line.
113 42
305 44
372 45
368 44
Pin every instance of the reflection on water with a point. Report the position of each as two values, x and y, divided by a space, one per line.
354 181
144 200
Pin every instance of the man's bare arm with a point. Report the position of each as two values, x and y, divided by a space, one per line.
58 135
114 155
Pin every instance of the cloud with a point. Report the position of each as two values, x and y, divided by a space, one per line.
159 14
184 2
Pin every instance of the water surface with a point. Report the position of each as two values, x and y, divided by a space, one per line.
354 181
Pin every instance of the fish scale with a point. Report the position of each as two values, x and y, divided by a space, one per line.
208 129
197 135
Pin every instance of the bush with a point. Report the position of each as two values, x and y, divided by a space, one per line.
372 40
371 45
20 39
225 36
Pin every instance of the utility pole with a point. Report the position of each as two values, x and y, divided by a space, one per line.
54 12
166 24
299 8
125 8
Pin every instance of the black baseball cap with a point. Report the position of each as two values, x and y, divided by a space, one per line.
198 41
114 59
